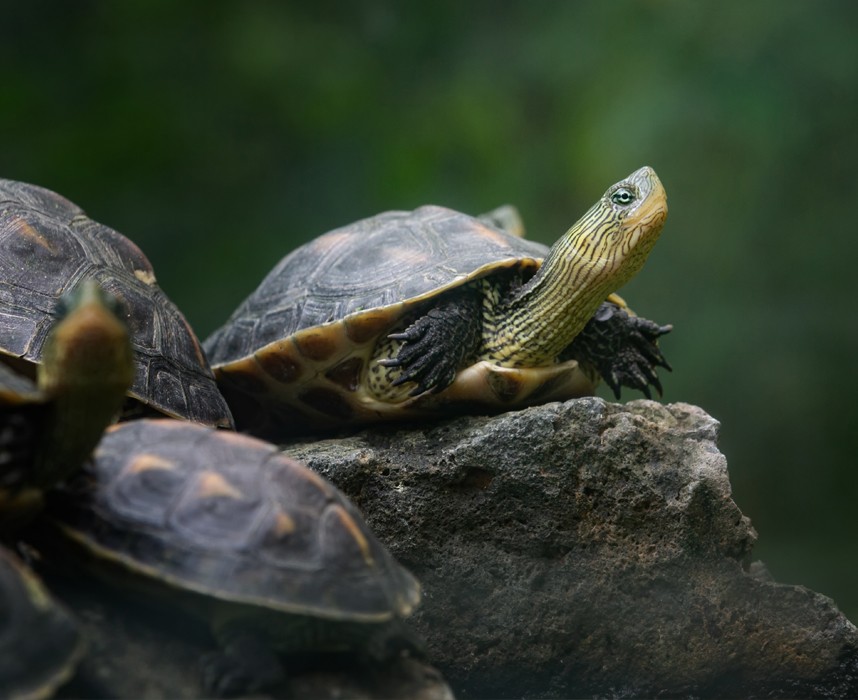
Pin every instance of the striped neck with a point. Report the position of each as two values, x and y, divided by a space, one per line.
599 254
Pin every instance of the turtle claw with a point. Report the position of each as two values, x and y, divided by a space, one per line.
420 362
623 349
435 344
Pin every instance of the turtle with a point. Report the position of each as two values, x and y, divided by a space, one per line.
271 554
50 426
407 314
47 246
40 644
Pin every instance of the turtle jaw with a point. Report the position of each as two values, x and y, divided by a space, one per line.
639 228
89 347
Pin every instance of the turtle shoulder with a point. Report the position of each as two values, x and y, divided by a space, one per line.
394 257
229 516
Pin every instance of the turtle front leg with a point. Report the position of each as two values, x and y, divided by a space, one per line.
622 348
434 347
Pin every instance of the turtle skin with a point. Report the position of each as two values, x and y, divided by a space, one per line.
295 356
269 552
40 644
47 246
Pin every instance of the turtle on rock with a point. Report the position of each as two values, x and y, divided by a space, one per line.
417 313
47 246
272 555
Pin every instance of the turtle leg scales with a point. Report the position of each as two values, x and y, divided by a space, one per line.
435 346
622 348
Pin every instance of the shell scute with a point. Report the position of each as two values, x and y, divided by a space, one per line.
316 344
358 273
47 246
231 517
279 361
366 326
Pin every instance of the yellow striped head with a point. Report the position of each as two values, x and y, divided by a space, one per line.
616 235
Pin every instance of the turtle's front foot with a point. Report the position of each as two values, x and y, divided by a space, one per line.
435 346
622 348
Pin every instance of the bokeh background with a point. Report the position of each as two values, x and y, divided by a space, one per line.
218 136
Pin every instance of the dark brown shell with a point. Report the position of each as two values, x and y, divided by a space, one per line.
47 246
394 257
229 516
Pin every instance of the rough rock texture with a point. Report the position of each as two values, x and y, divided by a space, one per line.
587 548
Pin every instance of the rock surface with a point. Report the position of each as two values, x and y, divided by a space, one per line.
587 548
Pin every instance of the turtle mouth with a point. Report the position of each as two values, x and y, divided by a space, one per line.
642 225
652 209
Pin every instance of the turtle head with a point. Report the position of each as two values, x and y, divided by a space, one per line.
89 343
602 251
614 238
86 367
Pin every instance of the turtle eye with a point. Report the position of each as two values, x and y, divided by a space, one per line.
623 195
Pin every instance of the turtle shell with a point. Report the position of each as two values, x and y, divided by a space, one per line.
295 352
39 643
47 246
230 517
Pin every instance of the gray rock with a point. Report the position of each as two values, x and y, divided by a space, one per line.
587 548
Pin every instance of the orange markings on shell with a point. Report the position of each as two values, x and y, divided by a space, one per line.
212 484
30 232
316 345
367 326
146 462
355 533
278 362
283 524
497 238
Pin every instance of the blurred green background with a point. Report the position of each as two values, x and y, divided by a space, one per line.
218 136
